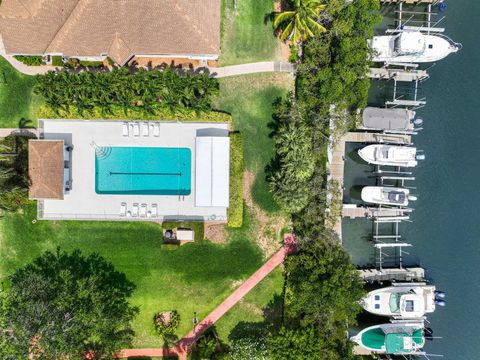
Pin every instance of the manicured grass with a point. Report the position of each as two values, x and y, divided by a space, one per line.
16 98
262 305
246 34
193 277
249 99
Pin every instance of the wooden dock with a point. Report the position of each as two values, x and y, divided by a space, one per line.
353 211
336 165
394 274
404 75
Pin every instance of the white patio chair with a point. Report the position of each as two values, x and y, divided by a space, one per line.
125 129
135 210
156 130
143 210
123 209
145 131
154 210
136 129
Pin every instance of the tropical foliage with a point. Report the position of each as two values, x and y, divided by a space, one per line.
294 163
235 208
166 322
302 22
14 179
65 305
30 60
147 91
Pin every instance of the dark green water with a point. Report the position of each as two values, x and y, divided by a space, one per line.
446 228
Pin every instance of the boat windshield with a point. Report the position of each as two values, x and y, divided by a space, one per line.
395 302
396 197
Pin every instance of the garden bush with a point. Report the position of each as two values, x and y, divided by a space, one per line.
117 113
30 60
57 61
235 209
146 91
166 322
91 64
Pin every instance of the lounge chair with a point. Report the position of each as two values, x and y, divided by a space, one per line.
145 131
125 129
154 210
123 209
135 210
136 129
143 210
156 130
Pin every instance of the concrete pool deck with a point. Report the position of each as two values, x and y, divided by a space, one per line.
83 203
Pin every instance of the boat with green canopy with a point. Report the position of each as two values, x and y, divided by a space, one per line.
399 338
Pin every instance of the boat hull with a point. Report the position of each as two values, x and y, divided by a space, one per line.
382 195
389 155
434 48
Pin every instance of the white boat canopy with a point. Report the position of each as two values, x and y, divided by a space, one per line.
212 171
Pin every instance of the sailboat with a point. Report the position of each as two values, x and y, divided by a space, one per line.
385 195
403 338
390 155
412 47
403 300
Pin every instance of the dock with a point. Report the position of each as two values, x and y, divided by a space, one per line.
394 274
403 75
336 164
354 211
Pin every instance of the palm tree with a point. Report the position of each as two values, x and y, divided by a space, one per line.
301 23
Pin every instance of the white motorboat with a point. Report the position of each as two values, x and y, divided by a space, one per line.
394 120
412 47
403 300
404 338
385 195
390 155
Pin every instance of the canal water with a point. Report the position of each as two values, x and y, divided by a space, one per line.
446 222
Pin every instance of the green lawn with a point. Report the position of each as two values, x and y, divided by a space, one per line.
194 277
16 98
249 99
246 36
260 305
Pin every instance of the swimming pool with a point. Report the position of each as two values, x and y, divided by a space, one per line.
143 171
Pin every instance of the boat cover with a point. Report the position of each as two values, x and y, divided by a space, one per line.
387 119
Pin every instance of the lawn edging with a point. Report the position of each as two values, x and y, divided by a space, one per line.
235 209
45 112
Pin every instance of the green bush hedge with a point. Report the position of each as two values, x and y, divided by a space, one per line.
235 209
93 64
45 112
30 60
57 61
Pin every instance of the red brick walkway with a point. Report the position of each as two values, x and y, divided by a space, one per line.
182 346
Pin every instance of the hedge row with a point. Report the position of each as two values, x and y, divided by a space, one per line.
45 112
30 60
235 210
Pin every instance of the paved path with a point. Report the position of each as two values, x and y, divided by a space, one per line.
183 345
218 72
4 132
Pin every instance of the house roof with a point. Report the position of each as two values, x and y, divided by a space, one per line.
118 28
45 168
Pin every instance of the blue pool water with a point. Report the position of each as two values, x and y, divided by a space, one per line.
143 171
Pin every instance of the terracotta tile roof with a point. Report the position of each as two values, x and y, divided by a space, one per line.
119 28
45 168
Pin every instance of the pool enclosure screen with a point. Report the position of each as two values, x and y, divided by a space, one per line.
143 171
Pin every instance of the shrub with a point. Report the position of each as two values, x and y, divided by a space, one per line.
30 60
166 322
57 61
235 209
92 64
117 113
293 58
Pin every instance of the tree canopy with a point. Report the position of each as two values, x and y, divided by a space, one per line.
302 22
65 305
120 88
